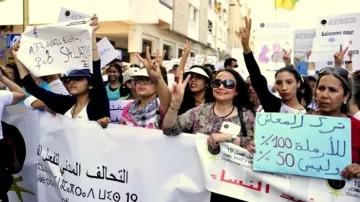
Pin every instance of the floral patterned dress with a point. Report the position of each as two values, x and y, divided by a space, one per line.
203 120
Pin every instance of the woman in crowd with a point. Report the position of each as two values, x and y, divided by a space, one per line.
306 92
128 82
11 97
88 101
287 82
232 104
12 73
254 97
198 91
114 87
333 92
355 101
147 111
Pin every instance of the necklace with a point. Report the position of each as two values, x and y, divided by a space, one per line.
222 117
73 112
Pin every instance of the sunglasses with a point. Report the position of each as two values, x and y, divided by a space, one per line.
228 84
143 80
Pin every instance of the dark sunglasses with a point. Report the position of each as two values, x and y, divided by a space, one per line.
228 84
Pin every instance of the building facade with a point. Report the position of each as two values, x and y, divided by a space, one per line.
134 24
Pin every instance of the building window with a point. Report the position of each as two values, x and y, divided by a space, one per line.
169 52
144 44
210 26
167 3
180 52
192 13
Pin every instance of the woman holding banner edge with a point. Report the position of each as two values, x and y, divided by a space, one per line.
89 100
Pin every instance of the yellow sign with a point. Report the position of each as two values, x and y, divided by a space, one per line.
285 4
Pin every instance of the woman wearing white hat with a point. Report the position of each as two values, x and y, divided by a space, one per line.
128 82
147 111
198 91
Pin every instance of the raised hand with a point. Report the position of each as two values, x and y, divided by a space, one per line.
187 48
245 33
152 67
287 57
95 23
339 56
178 90
308 54
350 54
15 49
160 58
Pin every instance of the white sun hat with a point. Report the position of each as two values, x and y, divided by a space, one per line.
198 70
129 73
142 72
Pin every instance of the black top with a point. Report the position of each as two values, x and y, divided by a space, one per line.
97 108
269 101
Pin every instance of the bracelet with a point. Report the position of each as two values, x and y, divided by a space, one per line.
173 108
348 62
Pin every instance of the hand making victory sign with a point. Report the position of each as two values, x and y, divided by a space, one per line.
245 33
339 56
287 57
178 90
160 58
152 66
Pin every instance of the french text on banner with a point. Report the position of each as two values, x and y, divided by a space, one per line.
57 48
228 171
305 145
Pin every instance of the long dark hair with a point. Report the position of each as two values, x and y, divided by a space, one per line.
242 99
189 100
356 87
307 94
118 68
343 76
17 79
297 76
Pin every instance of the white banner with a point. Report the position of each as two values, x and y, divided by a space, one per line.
228 171
303 42
57 48
107 51
271 39
69 15
79 161
346 26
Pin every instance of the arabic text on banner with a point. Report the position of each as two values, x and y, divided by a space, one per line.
341 25
116 109
306 145
56 48
121 163
228 171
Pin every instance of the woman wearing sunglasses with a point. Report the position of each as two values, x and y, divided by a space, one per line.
333 92
147 111
88 99
232 104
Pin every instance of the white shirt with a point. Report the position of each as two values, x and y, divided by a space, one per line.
56 86
6 98
81 116
288 110
357 115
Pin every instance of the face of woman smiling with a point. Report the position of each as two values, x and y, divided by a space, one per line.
221 93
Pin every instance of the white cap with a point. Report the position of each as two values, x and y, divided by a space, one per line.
142 72
198 70
129 73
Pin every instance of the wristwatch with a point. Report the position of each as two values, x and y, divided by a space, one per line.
233 138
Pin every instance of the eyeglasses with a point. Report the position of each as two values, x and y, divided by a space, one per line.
228 84
144 80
